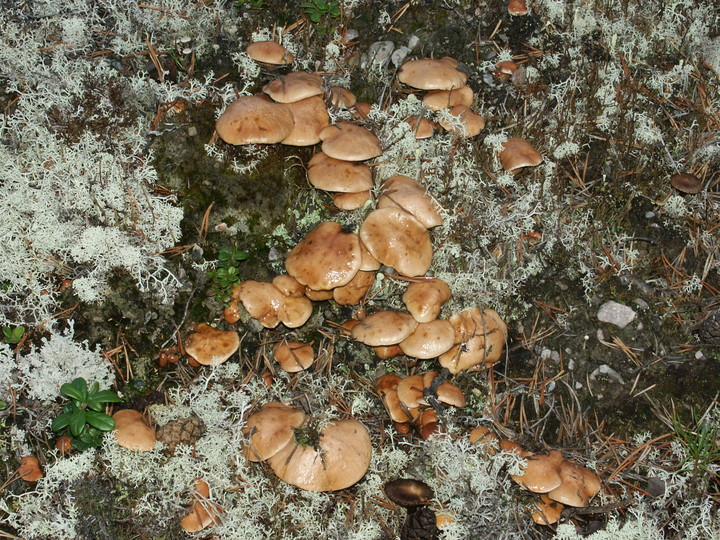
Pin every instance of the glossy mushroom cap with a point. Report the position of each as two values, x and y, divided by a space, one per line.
29 469
541 473
254 120
578 486
310 116
332 174
518 153
405 193
445 99
210 346
429 340
269 52
203 512
350 142
471 122
408 492
271 429
294 87
384 328
294 356
428 74
479 340
424 299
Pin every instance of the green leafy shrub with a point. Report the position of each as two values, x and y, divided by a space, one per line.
13 335
226 276
83 418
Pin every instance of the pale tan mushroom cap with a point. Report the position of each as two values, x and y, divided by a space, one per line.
405 193
332 174
294 356
269 52
295 311
429 340
424 299
384 328
444 99
210 346
518 153
326 258
342 97
310 116
428 74
253 120
271 429
579 485
29 469
397 239
353 292
203 512
294 87
479 339
450 394
133 432
541 473
350 142
546 511
342 460
350 201
423 128
471 121
288 285
410 391
262 301
367 261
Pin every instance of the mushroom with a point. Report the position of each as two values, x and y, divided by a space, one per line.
350 142
397 239
578 486
350 201
332 174
342 97
429 340
254 120
686 182
517 7
271 429
353 292
310 116
261 300
546 511
328 257
384 328
518 153
203 512
472 123
293 356
421 127
407 492
444 99
479 339
428 74
269 52
210 346
424 299
294 87
541 473
132 431
29 469
340 458
405 193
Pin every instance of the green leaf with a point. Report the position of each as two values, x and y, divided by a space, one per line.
75 390
224 254
94 388
315 17
61 421
107 396
81 445
101 421
95 405
77 422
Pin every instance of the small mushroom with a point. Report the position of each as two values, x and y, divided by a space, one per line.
269 52
133 432
686 182
29 469
203 512
210 346
294 356
408 493
518 153
294 87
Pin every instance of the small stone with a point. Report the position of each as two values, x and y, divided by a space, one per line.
378 53
614 313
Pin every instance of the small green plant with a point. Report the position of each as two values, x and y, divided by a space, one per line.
226 276
322 11
700 440
83 418
13 335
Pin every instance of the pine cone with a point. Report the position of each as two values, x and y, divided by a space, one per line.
709 331
420 525
183 431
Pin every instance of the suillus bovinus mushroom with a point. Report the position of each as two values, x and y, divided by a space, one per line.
132 431
210 346
203 512
254 120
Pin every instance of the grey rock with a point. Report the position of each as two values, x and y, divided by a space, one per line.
614 313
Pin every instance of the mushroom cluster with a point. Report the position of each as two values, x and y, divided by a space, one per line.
558 481
327 459
409 401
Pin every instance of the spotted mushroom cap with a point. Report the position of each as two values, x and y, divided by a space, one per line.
210 346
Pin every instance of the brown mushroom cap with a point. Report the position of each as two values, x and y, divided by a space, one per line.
342 458
686 182
386 386
203 512
271 428
327 258
310 116
518 153
29 469
486 438
450 394
517 7
387 351
294 87
295 311
546 511
350 201
342 97
444 99
541 473
288 285
261 300
472 122
479 339
408 493
269 52
350 142
429 340
397 239
132 431
353 292
405 193
210 346
384 328
428 74
579 485
294 356
367 261
421 127
253 120
424 299
332 174
318 296
410 391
